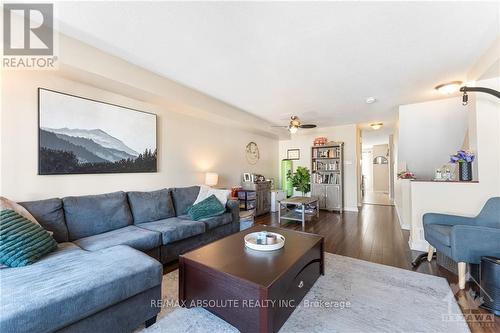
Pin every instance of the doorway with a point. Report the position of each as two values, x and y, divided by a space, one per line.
376 173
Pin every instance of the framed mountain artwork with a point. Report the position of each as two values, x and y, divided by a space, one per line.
79 135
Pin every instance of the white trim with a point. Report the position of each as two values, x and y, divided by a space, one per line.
351 209
418 245
403 226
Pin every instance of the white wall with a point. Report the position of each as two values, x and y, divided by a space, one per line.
464 198
429 132
373 137
304 139
190 141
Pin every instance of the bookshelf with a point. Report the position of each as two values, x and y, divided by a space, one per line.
327 181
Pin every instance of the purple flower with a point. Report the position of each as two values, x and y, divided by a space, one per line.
462 156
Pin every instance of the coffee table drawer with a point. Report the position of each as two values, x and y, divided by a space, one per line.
289 290
303 282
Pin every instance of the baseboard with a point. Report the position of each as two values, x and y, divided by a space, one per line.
418 245
351 209
402 225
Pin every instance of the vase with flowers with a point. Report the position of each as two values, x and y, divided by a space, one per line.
464 158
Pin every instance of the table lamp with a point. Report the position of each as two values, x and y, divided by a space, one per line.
211 178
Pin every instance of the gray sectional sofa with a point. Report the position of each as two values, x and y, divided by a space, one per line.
100 279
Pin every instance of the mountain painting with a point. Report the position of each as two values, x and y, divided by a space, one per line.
79 135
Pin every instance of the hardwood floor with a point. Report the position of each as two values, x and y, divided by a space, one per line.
374 235
377 198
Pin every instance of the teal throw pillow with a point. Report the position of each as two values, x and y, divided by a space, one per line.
209 207
22 242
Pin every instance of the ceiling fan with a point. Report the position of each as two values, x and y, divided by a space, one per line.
295 124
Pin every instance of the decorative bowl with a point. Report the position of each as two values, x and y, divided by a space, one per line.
251 242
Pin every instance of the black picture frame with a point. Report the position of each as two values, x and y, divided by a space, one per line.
41 171
295 154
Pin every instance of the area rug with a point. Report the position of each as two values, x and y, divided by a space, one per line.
353 296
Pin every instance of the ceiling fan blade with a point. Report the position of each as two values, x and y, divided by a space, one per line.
307 126
279 126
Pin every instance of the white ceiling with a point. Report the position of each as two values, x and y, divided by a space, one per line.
319 60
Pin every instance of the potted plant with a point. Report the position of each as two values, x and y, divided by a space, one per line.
464 158
301 180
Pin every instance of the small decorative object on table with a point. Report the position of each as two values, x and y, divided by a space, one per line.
247 177
406 175
464 158
443 174
264 241
234 191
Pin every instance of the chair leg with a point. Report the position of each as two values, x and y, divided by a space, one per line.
461 274
430 253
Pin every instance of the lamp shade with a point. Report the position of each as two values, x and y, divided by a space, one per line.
211 178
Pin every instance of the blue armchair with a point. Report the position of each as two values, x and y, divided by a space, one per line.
465 239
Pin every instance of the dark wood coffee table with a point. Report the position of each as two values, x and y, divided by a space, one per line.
252 290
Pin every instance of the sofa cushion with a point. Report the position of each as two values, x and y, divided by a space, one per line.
207 191
50 214
213 222
94 214
174 228
71 284
209 207
22 242
151 206
184 198
138 238
16 207
217 221
441 233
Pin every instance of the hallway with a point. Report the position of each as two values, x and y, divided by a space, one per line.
377 198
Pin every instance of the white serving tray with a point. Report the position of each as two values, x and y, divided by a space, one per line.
251 242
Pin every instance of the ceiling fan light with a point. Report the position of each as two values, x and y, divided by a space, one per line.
376 126
449 88
293 129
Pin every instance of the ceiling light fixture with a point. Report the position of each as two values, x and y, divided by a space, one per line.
449 88
376 126
293 129
370 100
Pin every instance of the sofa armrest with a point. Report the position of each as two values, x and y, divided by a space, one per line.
233 207
445 219
470 242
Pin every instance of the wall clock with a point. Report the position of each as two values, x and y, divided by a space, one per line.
252 153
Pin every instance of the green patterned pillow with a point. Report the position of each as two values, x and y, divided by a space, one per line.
22 242
209 207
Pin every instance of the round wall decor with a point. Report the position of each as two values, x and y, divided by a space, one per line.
252 152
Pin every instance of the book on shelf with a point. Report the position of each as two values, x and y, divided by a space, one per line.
324 166
326 153
331 178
